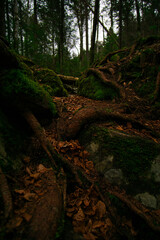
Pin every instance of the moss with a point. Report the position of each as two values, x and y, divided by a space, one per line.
132 154
16 86
93 88
49 77
13 141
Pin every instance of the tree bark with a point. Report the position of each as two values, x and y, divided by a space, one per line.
8 22
2 18
95 23
138 18
120 23
16 25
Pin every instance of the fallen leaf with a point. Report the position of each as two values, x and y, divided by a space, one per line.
20 191
89 236
98 224
100 209
119 128
27 217
29 196
86 202
79 216
28 170
41 168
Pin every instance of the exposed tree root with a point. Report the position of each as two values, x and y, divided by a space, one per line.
109 55
149 216
103 78
91 114
48 211
6 194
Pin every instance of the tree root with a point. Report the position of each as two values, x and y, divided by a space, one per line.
48 211
103 78
157 90
6 194
91 114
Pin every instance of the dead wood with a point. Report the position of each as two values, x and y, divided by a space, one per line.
103 78
48 211
92 114
6 195
68 78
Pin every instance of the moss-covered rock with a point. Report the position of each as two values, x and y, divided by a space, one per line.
92 87
17 88
49 78
112 150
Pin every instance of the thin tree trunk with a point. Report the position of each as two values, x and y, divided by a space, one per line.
21 32
138 18
120 23
8 22
2 18
86 15
95 22
35 28
16 25
61 37
111 14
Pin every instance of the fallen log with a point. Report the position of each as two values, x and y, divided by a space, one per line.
68 78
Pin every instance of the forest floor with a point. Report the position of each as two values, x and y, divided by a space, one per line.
89 208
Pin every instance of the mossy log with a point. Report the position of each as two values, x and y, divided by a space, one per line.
69 79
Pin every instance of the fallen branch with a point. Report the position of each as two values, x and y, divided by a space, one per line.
157 90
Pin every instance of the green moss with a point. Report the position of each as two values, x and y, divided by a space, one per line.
132 154
93 88
49 77
16 86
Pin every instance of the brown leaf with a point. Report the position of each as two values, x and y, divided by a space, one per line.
89 165
41 168
100 209
86 202
89 236
27 217
98 224
28 171
20 191
29 196
79 216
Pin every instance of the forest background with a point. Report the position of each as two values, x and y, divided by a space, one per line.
61 34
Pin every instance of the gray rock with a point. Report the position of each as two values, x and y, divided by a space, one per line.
147 199
105 164
155 169
114 176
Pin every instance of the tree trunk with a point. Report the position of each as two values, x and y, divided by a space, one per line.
16 25
120 23
95 23
2 18
86 16
111 14
61 35
21 31
8 23
138 18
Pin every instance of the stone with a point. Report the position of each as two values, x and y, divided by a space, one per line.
147 199
155 169
104 165
114 176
